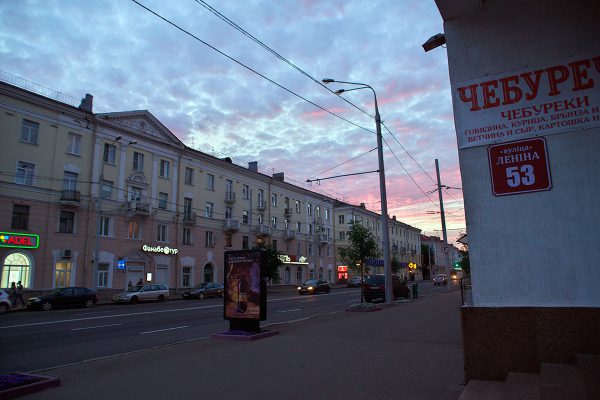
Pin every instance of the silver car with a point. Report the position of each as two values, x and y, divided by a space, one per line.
4 302
138 293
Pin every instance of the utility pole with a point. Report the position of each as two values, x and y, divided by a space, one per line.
444 236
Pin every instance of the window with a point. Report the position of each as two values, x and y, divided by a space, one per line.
318 212
274 245
309 209
186 277
261 218
20 218
25 173
286 202
109 153
210 182
261 198
209 210
106 189
309 229
228 212
274 222
245 244
228 240
342 236
161 233
340 219
17 267
228 186
74 143
70 181
208 239
298 248
328 251
163 199
138 161
66 222
297 206
298 227
310 249
188 178
62 274
187 208
102 275
274 199
245 192
29 131
105 226
187 235
134 230
245 217
135 194
164 169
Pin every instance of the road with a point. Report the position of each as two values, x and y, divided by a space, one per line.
34 341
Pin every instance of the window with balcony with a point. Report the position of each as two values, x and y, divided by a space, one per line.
138 161
110 152
188 178
29 131
25 173
74 144
164 169
66 222
20 217
70 181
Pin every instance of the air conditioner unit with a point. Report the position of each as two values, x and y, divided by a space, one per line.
66 253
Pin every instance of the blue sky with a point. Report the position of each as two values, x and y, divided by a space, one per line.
130 59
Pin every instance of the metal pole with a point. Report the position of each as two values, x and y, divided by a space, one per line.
444 236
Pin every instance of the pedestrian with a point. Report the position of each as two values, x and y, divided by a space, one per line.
19 294
12 294
140 282
129 285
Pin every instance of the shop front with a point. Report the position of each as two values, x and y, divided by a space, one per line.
294 270
18 258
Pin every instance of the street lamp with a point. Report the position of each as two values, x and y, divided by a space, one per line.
389 295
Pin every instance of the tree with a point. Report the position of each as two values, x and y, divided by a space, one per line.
273 262
464 260
362 246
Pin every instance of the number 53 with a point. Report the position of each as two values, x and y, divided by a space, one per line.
516 176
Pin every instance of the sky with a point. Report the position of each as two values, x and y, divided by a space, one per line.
228 95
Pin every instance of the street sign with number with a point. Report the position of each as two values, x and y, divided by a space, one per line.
519 167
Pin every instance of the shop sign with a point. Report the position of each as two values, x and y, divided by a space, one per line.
554 98
159 249
291 259
19 240
519 167
375 262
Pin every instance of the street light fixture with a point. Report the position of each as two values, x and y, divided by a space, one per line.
389 295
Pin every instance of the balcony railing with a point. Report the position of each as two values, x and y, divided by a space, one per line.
323 238
261 205
189 217
230 197
263 230
290 234
138 207
231 225
287 212
70 197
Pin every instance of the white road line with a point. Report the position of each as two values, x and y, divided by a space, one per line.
163 330
94 327
284 311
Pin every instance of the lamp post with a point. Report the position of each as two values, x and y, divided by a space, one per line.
389 295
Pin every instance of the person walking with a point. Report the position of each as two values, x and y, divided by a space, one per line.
129 285
19 295
12 294
140 282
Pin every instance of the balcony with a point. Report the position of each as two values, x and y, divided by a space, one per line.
290 234
189 218
261 205
229 197
231 225
263 230
287 212
138 207
70 197
324 239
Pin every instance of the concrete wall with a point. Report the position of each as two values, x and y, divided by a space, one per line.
534 249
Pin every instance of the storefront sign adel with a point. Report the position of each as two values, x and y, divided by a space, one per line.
19 240
519 167
554 98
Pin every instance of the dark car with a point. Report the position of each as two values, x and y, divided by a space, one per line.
440 279
205 289
374 287
355 281
64 298
314 286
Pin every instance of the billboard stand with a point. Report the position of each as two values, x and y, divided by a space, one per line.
245 299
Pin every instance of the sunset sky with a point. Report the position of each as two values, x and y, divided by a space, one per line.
257 96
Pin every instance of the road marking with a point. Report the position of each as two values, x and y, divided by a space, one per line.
163 330
284 311
94 327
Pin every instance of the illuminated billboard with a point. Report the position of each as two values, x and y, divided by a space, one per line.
245 285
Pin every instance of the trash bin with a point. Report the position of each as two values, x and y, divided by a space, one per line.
415 290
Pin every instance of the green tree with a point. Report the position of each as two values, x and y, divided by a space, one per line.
362 246
464 260
273 262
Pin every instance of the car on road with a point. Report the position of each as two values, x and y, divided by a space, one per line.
440 279
314 286
4 301
205 289
64 298
374 287
138 293
355 281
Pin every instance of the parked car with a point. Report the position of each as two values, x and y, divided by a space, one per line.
64 298
314 286
355 281
138 293
440 279
205 289
374 287
4 301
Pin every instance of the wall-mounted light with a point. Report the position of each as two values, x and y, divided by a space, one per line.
434 41
149 276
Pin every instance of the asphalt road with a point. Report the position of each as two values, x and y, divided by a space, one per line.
32 341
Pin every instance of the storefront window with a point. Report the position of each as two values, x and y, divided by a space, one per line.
208 273
62 275
16 267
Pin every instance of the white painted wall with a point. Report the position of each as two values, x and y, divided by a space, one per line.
535 249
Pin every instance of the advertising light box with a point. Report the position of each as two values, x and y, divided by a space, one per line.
245 285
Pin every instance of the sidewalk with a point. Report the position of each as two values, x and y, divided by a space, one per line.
410 350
